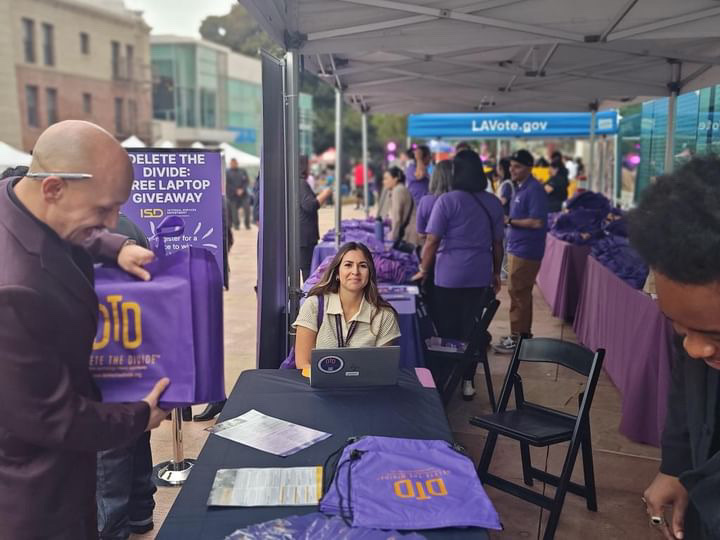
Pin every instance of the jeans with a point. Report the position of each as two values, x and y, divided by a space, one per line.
124 488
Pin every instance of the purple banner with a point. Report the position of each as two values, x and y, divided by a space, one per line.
186 183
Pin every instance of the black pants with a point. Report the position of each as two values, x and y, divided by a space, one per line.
453 312
306 254
235 205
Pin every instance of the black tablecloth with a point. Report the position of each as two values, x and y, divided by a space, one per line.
407 410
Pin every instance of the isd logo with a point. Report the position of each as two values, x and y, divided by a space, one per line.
151 212
422 491
121 322
330 364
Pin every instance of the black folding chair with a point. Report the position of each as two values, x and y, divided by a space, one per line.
533 424
448 368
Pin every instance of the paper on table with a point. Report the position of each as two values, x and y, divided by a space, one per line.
268 434
293 486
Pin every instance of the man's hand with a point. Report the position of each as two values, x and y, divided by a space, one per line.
132 258
157 414
240 192
324 195
664 491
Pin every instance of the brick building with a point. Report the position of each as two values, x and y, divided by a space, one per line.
73 59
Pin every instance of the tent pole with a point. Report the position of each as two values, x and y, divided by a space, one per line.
590 173
366 187
338 163
616 170
292 177
674 87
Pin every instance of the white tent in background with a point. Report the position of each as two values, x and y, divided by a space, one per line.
12 157
197 144
164 143
133 142
243 158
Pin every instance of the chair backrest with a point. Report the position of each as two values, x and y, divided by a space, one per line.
570 355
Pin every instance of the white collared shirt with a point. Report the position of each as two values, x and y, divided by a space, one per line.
377 331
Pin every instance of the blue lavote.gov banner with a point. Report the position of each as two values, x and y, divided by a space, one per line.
506 125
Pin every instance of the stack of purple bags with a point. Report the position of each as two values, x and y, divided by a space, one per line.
359 230
591 220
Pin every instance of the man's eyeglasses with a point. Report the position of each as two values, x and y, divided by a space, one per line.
63 175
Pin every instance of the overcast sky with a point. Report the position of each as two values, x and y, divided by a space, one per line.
181 17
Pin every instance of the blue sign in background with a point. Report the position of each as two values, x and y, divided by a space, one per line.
179 182
482 125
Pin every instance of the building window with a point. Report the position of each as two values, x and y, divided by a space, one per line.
31 101
119 116
115 60
129 59
48 44
51 97
84 43
132 116
87 103
28 26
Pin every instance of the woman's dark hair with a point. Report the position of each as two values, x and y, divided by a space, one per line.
468 172
676 226
505 168
424 151
560 166
330 282
397 173
14 171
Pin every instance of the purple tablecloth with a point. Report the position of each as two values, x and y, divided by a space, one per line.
628 324
561 276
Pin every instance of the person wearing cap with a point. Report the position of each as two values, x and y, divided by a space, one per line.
527 227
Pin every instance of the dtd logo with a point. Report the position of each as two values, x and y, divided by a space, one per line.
330 364
434 487
121 316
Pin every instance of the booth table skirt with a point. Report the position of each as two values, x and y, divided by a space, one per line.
407 410
561 276
628 324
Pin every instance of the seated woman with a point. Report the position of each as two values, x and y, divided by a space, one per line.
354 313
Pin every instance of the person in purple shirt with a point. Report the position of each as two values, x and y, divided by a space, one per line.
464 242
527 226
418 173
439 184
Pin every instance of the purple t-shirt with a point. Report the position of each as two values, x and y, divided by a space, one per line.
424 209
418 187
530 202
466 234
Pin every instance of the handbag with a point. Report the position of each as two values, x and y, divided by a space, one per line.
171 326
289 362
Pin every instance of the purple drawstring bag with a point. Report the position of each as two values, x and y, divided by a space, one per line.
393 483
289 362
170 326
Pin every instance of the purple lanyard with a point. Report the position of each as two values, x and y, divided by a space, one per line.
342 342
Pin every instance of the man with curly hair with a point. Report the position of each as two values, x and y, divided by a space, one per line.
676 228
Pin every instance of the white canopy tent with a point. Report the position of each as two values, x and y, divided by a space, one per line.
197 144
243 158
416 56
498 55
133 142
12 157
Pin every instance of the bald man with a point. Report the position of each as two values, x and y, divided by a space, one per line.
52 422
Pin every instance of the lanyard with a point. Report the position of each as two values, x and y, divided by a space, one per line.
342 342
